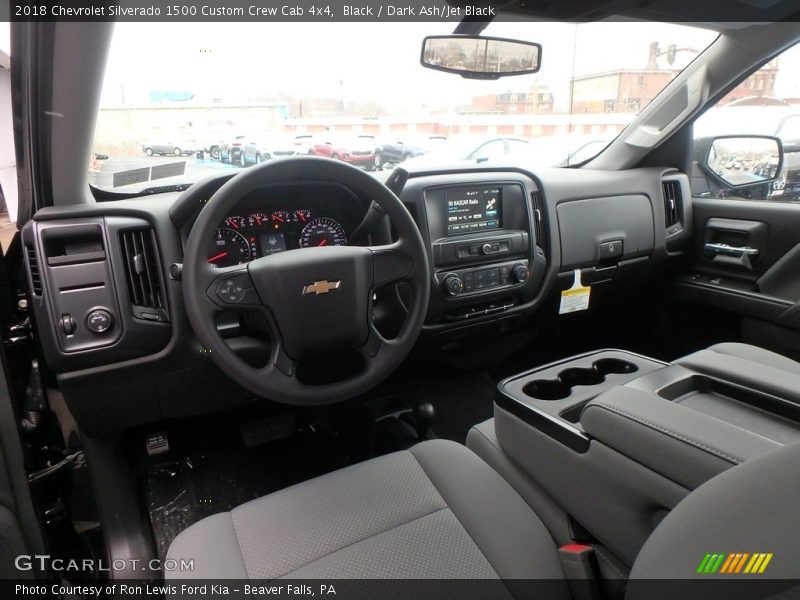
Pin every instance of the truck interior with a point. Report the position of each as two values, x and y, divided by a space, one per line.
499 378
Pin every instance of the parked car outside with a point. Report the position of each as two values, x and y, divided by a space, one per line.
211 145
561 150
169 145
358 150
305 142
470 149
269 146
231 152
395 152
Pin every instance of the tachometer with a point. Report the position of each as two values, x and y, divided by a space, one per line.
228 247
323 232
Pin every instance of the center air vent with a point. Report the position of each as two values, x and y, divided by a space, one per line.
33 269
143 274
538 220
671 192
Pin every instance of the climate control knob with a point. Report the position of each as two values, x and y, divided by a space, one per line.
453 285
520 273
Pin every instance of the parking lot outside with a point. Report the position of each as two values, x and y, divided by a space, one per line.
192 169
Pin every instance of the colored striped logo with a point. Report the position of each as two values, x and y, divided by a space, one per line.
734 563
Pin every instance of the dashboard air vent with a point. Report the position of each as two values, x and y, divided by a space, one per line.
671 192
142 271
33 269
538 220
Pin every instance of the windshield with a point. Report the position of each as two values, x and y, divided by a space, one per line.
199 99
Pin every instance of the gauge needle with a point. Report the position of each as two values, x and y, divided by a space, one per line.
217 256
323 243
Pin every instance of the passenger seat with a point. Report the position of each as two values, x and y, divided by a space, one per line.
750 366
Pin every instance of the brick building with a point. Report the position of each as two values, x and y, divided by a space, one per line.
537 99
618 91
630 90
760 84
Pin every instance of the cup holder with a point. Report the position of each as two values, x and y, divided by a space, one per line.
609 366
561 387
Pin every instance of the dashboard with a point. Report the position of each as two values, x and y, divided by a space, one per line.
106 290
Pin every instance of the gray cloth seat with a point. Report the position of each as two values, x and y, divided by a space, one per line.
438 511
434 511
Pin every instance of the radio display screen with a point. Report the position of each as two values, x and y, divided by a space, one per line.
473 209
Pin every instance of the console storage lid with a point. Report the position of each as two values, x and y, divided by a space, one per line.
689 427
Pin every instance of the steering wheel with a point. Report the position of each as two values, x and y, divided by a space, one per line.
314 299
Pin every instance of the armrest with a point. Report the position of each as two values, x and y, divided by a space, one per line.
762 372
684 445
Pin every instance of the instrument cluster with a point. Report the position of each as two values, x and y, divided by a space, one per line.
242 238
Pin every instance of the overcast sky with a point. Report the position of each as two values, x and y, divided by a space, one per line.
368 61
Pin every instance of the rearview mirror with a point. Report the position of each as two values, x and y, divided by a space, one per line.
739 161
475 57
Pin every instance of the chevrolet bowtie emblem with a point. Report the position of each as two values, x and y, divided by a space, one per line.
321 287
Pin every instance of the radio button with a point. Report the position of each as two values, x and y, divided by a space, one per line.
469 282
493 277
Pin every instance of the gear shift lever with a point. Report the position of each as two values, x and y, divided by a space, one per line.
424 413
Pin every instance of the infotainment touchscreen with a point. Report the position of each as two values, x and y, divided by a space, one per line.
471 210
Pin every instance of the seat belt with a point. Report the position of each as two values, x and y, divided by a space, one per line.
580 567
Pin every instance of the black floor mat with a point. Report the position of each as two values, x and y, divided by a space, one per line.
209 470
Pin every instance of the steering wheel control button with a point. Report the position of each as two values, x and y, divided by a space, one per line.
99 321
453 285
231 291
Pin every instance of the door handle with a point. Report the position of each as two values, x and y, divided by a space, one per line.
718 248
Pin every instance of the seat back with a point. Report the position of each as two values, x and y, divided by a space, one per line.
740 529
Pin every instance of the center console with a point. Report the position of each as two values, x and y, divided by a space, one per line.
617 439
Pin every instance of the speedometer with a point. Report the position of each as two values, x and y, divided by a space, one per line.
228 247
323 232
